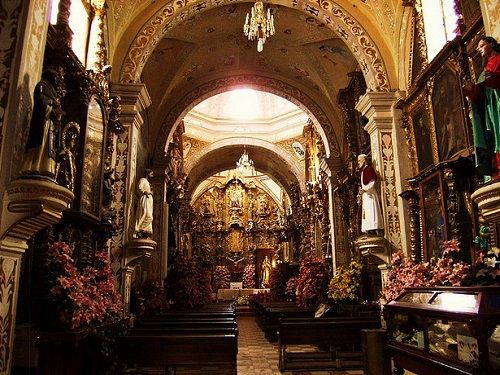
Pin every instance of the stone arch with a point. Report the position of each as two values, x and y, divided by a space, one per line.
266 84
224 156
335 17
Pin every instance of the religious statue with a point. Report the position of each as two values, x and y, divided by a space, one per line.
485 103
66 167
236 196
144 213
265 272
40 152
371 218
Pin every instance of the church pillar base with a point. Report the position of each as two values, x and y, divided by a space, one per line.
137 250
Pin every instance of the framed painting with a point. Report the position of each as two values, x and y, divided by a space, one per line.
434 218
421 124
448 115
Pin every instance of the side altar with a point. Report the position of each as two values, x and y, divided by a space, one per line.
231 294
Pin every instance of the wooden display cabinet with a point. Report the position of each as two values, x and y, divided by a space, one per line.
445 330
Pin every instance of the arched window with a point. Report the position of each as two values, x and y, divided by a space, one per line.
440 24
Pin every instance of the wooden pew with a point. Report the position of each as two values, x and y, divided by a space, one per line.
338 340
171 350
270 313
182 338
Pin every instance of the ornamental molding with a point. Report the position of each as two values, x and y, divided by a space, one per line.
30 205
266 84
335 17
487 199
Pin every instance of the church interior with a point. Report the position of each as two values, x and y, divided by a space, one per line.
250 187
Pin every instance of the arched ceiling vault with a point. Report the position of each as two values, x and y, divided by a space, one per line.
224 157
320 119
353 22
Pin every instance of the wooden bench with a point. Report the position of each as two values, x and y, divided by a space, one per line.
337 341
171 350
182 338
270 313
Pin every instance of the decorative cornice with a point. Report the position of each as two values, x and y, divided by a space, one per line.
487 199
30 205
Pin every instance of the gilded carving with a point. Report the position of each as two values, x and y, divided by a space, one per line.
328 12
389 189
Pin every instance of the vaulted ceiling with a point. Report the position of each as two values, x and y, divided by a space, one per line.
187 51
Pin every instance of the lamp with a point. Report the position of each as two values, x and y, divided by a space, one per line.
260 25
245 165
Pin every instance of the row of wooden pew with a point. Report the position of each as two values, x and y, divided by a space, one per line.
206 337
333 343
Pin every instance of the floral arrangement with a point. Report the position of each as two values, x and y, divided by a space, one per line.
486 271
249 276
291 288
277 284
345 283
149 298
221 278
82 297
443 271
312 282
188 284
446 270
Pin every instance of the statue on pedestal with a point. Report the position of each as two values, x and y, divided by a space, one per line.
144 212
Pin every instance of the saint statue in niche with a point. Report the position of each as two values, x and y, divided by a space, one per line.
236 196
66 167
265 272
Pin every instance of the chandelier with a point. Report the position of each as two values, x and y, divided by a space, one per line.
260 25
245 165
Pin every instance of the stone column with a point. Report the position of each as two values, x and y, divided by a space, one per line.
134 100
28 206
389 157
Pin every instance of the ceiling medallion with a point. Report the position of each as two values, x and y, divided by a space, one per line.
260 25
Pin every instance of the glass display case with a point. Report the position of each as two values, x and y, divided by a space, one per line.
445 330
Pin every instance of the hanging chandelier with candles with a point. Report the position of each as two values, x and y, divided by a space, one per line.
245 165
259 25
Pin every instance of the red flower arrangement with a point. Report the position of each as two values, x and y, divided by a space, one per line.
188 284
84 297
221 277
277 284
312 282
249 276
291 288
149 298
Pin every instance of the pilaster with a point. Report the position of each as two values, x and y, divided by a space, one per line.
134 100
388 148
